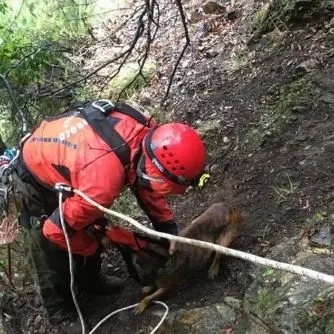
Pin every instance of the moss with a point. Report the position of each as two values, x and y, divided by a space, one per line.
129 82
276 36
275 15
316 316
298 93
257 17
127 204
240 60
317 218
267 301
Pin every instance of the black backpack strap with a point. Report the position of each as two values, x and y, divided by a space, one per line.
96 114
107 107
131 112
104 127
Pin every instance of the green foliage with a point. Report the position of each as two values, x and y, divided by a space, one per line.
268 272
280 14
127 204
266 300
36 38
316 219
129 82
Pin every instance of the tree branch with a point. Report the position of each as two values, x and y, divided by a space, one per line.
183 18
15 104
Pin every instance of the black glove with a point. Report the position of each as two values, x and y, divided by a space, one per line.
97 229
167 227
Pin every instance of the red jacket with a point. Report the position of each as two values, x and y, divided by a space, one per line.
67 150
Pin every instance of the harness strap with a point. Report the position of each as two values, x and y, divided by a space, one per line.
96 114
104 127
131 112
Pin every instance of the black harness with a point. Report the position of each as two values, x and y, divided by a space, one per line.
96 114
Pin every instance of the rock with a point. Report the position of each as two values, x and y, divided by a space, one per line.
323 237
213 7
327 98
211 319
287 302
233 14
305 67
215 168
211 53
300 108
226 140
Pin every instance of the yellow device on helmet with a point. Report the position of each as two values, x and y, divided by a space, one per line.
203 180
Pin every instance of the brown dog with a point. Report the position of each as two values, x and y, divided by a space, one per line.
217 225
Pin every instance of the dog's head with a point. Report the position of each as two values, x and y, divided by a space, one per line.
149 260
143 255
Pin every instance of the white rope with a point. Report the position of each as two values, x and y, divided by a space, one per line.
70 259
60 187
130 307
220 249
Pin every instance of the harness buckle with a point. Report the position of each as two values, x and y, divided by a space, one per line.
63 188
37 223
105 106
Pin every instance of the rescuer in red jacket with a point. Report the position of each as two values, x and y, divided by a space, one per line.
98 148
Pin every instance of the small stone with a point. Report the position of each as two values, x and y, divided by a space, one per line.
327 98
214 168
299 108
226 140
211 53
212 7
322 238
305 67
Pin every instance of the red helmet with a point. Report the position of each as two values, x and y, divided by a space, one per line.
175 155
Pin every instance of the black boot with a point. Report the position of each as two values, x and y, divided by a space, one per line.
90 280
72 327
105 285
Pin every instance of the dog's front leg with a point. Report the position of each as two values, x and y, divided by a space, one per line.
147 301
214 268
225 240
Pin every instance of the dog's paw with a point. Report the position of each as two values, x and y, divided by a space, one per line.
142 306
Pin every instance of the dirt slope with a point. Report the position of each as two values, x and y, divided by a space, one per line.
268 122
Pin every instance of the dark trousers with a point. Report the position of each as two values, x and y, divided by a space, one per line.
49 264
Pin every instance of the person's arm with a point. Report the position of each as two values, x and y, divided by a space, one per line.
157 209
102 181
